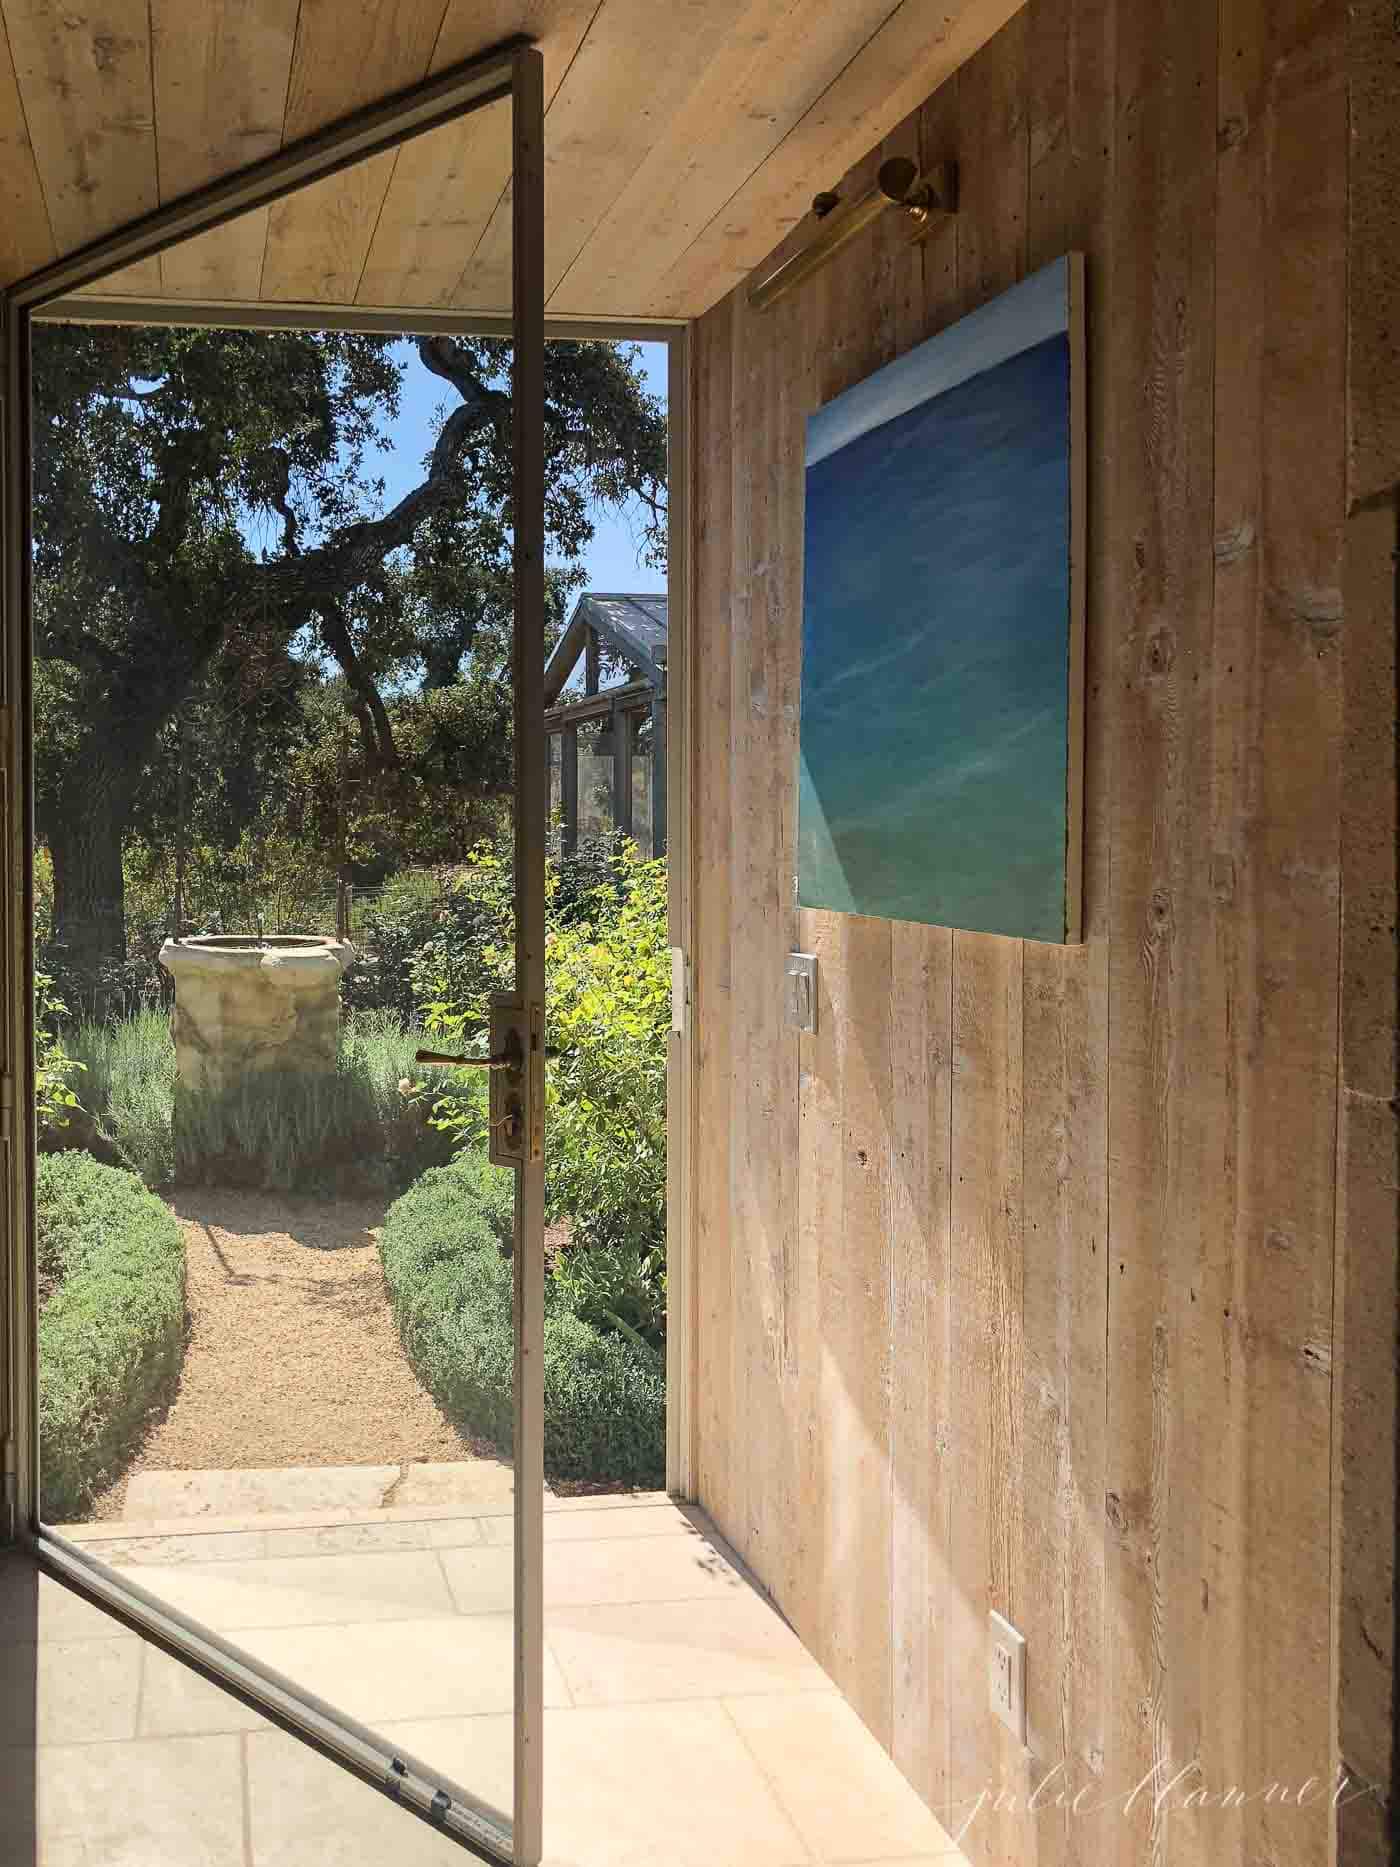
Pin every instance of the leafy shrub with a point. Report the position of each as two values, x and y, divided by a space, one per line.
608 1012
389 933
55 1099
445 1248
608 992
111 1333
620 1287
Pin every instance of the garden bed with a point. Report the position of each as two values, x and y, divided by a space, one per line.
445 1248
112 1328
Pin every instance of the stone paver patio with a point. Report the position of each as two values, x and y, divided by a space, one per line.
685 1722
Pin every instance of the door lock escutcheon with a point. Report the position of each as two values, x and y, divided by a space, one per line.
516 1065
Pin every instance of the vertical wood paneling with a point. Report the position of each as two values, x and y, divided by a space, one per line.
1161 1061
1064 1142
1279 387
921 1502
1367 1283
1056 1261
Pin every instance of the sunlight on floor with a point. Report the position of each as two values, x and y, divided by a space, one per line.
685 1724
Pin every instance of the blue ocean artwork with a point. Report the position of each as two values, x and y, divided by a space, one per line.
936 640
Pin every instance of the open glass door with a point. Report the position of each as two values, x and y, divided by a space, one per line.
273 1270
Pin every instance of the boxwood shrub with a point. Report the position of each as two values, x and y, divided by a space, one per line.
446 1251
112 1326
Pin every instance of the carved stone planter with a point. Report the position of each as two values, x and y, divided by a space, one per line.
244 1004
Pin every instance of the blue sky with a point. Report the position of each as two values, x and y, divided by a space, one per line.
612 556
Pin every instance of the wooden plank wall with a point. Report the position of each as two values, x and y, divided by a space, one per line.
1016 1280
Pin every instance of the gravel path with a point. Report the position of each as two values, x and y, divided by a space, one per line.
292 1357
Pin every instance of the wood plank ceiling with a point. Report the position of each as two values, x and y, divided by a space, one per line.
684 138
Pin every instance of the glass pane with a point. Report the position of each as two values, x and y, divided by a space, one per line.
274 628
642 744
556 790
595 780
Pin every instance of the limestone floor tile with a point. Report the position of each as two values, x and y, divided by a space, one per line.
468 1484
679 1649
33 1606
220 1546
176 1701
482 1581
169 1802
847 1798
609 1569
654 1517
628 1785
648 1568
345 1539
304 1811
471 1532
69 1691
404 1669
251 1493
303 1591
608 1500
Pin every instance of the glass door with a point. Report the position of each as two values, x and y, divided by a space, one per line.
274 601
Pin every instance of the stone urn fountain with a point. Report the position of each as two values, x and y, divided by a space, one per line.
244 1003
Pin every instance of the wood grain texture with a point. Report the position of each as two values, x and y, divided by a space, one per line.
683 140
1367 1282
915 49
85 88
1373 253
220 76
26 238
1090 1248
768 71
318 239
450 187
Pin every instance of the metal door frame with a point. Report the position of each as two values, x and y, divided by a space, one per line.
512 71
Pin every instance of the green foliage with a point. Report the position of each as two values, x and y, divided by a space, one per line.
130 1089
222 587
111 1335
388 933
445 1247
608 1013
365 1124
620 1287
55 1099
608 994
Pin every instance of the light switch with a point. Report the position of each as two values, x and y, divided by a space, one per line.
802 990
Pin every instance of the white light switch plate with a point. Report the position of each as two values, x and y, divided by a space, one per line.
1006 1674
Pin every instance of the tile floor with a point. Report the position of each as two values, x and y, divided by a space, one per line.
685 1722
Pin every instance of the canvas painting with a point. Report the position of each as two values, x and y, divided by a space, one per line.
941 726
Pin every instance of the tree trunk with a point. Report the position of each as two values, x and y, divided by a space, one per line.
84 834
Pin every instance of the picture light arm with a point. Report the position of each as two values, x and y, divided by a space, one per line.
928 200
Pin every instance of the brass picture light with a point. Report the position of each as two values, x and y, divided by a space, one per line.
927 199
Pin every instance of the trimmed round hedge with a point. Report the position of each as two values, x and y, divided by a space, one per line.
111 1335
445 1247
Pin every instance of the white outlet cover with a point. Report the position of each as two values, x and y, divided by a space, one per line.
1006 1674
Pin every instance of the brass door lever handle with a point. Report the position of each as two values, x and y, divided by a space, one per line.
508 1062
509 1059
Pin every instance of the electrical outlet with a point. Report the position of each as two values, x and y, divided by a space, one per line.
1006 1674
